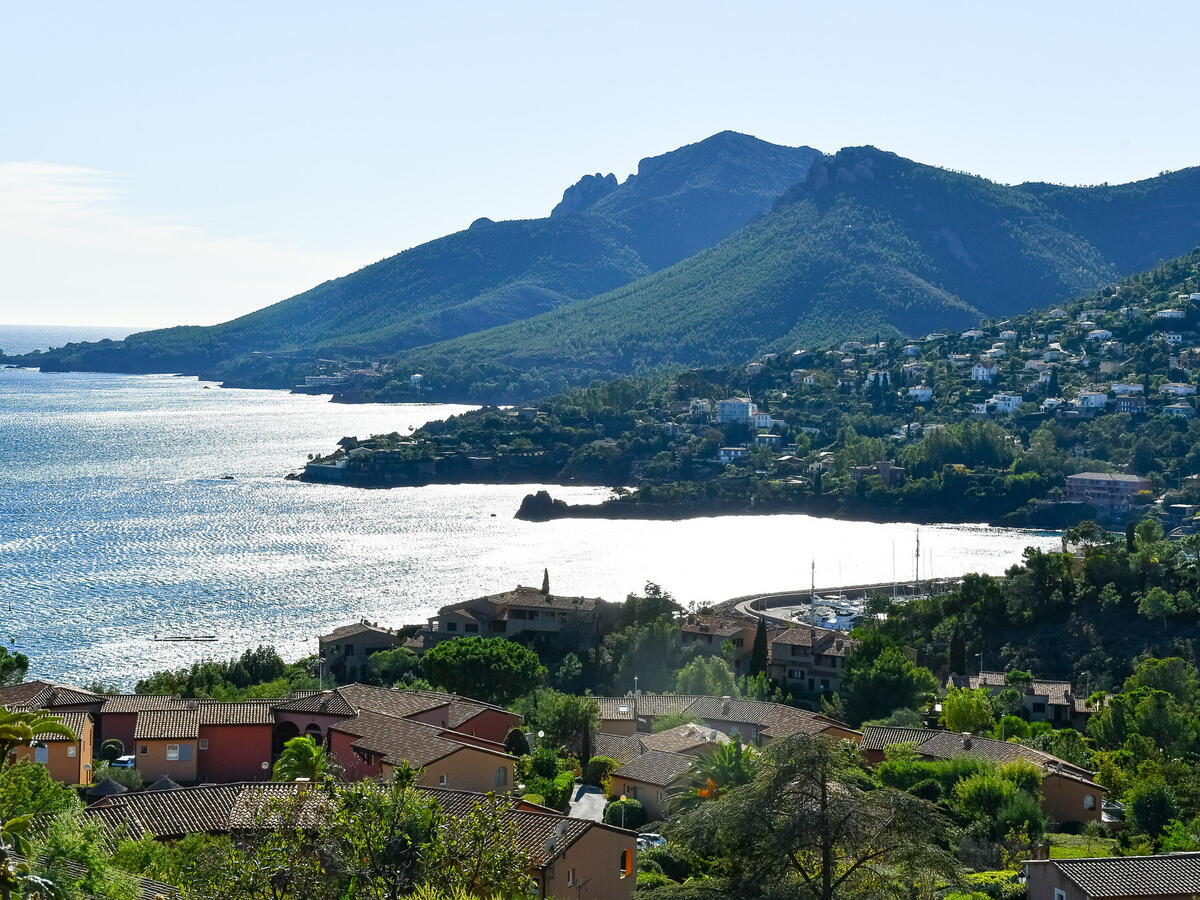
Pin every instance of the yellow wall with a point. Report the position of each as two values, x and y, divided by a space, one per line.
153 763
652 796
593 864
468 769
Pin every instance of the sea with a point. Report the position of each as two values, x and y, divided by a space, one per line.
134 508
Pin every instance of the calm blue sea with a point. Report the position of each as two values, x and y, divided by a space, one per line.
116 525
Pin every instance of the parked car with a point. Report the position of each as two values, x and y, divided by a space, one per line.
123 762
650 839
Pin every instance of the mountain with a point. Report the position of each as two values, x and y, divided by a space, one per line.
869 243
603 235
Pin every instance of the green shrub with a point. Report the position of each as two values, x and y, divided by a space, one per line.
649 880
670 859
598 769
929 789
559 790
544 763
635 813
516 743
537 799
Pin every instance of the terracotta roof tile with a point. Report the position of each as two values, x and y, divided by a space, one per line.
656 767
684 738
248 712
1165 875
76 721
396 739
132 703
167 725
947 744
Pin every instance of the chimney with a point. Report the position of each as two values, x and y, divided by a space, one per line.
193 704
966 740
1058 768
725 704
1041 850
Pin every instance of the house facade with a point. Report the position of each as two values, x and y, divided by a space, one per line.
1172 876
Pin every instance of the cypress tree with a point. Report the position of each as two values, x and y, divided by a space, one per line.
758 654
546 582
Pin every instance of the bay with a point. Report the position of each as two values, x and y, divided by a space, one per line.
116 525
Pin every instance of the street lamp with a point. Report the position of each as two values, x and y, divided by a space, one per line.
623 810
979 656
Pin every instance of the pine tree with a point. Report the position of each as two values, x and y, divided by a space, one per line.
546 582
758 655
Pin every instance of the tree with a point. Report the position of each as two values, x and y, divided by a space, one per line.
806 828
709 676
546 582
389 667
1156 603
625 813
479 853
568 719
515 742
111 750
493 670
758 653
968 710
16 875
27 789
1151 805
381 833
731 765
880 678
13 667
303 757
648 609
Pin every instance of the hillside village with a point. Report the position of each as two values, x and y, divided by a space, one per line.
1080 412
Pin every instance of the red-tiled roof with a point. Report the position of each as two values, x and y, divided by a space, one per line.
78 722
657 767
684 738
248 712
132 703
1165 875
167 725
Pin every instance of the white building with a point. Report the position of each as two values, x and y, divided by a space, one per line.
700 407
416 380
1008 335
973 335
1051 403
1126 389
1099 334
922 393
1005 402
763 420
912 350
732 454
1169 314
984 370
735 409
1092 399
1178 389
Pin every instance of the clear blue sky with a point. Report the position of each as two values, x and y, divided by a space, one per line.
170 163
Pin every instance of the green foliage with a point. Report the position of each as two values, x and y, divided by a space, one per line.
634 813
515 742
493 670
111 750
967 710
674 720
18 727
27 789
879 678
707 675
303 757
390 667
130 779
598 769
73 855
759 652
229 680
1150 806
13 666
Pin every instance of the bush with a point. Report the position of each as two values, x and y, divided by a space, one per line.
558 793
516 743
598 769
670 859
1021 813
127 778
536 799
929 789
635 813
647 881
544 763
111 749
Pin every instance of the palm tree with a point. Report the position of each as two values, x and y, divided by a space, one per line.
732 764
19 729
303 757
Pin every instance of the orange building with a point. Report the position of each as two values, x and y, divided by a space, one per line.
66 760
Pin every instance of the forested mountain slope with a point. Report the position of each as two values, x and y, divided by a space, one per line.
870 243
603 235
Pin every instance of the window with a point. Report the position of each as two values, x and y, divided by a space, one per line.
1060 894
41 755
143 750
626 863
1089 802
185 752
172 752
1039 707
501 776
452 626
72 751
203 743
349 649
442 780
471 627
570 877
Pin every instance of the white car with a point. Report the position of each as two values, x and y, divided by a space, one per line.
648 840
123 762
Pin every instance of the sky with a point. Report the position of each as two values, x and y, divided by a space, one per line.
167 163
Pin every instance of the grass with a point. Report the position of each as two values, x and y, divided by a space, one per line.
1075 846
